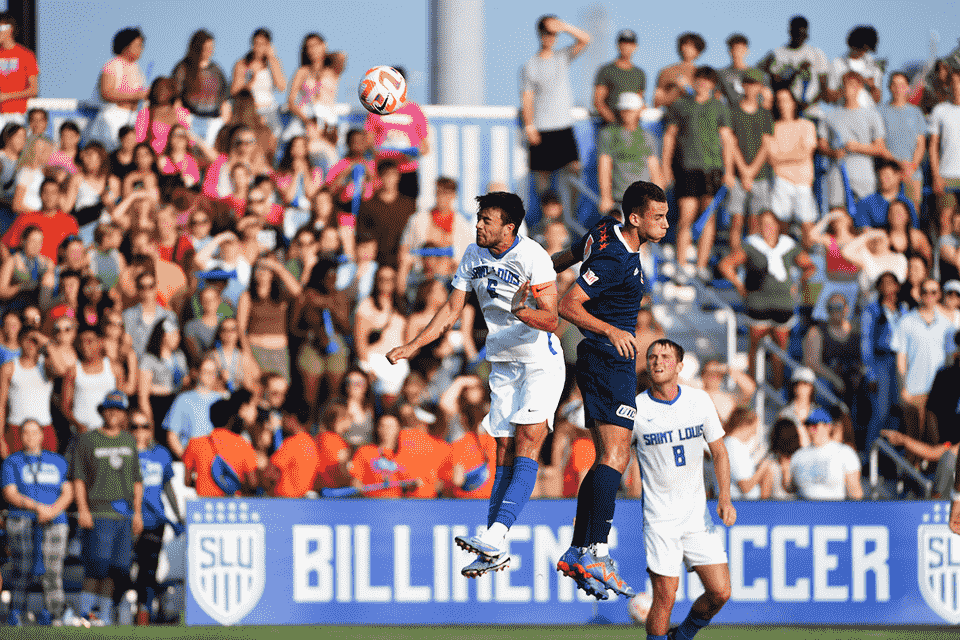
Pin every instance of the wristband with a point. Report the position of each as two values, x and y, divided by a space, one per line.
955 495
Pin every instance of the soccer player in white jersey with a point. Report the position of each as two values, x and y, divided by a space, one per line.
675 424
527 368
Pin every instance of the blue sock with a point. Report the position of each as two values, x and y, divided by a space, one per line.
501 480
518 491
606 483
650 636
690 626
581 526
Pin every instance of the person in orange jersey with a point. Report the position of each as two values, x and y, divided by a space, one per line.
293 468
469 469
377 463
228 418
334 450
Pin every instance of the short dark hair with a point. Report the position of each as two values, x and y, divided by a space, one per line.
69 125
509 203
47 181
893 75
124 131
707 73
885 163
549 197
262 31
444 182
124 38
541 28
41 111
693 38
387 164
7 18
737 38
667 342
639 195
796 22
863 36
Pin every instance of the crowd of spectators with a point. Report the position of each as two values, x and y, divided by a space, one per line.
189 280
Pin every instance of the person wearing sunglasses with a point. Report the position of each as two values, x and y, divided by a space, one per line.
157 470
921 341
139 320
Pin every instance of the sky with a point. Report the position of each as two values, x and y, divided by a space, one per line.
74 36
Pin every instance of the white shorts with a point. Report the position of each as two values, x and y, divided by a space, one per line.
666 549
793 201
524 393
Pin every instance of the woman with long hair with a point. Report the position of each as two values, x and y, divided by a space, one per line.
296 179
262 314
145 176
13 138
25 393
748 481
315 83
261 73
26 191
163 373
202 88
236 366
21 273
91 303
376 463
379 324
904 237
833 232
118 346
356 392
176 163
161 113
91 190
243 149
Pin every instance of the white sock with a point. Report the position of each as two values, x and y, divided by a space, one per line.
495 534
601 550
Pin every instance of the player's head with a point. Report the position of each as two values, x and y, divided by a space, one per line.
645 207
499 215
664 361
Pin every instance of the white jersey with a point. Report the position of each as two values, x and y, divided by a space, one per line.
820 473
495 279
669 439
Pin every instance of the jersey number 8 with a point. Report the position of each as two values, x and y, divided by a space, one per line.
678 456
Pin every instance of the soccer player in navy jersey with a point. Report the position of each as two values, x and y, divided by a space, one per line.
604 303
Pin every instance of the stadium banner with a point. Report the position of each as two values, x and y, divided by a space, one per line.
263 561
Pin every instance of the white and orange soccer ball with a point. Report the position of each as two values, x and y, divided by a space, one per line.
382 90
639 607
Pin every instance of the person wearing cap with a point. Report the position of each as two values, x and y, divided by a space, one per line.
825 469
731 76
228 417
625 153
751 122
851 136
108 488
944 133
951 302
800 401
618 77
547 100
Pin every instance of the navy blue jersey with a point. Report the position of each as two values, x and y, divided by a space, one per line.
612 278
578 248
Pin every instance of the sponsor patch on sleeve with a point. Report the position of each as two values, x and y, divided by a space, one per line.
590 277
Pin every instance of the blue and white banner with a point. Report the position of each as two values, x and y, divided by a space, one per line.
395 562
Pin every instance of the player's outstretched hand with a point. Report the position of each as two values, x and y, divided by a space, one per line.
402 352
955 516
520 298
625 343
727 512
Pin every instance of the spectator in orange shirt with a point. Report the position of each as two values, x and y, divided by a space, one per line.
54 223
227 416
293 468
469 469
377 463
423 450
334 450
582 455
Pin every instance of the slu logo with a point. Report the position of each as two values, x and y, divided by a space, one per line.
227 568
938 567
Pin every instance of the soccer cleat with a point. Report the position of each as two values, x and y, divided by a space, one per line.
569 565
13 619
44 619
474 544
592 587
483 565
605 571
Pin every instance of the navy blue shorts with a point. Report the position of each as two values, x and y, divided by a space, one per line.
608 384
108 545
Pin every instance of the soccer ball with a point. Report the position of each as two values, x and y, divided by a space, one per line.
382 90
639 607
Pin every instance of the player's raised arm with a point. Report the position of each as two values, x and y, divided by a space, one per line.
721 468
544 316
563 260
441 322
571 309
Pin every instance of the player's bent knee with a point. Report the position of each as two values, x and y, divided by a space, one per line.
719 596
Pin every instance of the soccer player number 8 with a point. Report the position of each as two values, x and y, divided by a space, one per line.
678 455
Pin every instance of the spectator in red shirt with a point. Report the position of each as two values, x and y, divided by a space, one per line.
55 224
293 469
228 417
18 73
377 463
334 450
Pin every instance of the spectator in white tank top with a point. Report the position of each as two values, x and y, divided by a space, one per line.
88 383
25 395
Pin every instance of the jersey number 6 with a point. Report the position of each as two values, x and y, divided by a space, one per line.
491 287
678 456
